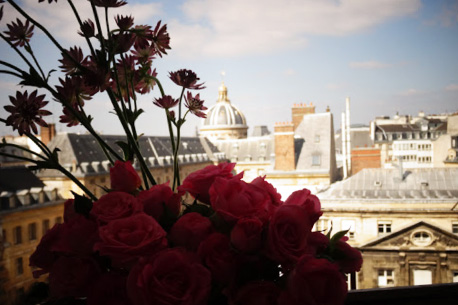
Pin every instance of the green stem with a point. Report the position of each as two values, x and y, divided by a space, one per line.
10 73
75 180
130 138
29 49
75 12
18 52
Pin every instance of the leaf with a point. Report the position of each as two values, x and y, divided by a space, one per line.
32 79
126 149
82 204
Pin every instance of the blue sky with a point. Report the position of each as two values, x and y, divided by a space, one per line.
387 56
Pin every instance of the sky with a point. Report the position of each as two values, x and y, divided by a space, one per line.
388 56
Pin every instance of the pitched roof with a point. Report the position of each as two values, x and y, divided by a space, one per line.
414 184
17 178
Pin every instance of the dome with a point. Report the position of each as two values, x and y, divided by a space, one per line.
224 120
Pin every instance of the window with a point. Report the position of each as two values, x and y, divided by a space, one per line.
455 227
384 227
421 238
19 266
350 226
3 236
322 225
316 159
33 231
422 277
385 278
59 219
45 226
17 235
454 276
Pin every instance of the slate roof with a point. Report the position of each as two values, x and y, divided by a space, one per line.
83 152
252 148
312 125
414 184
15 178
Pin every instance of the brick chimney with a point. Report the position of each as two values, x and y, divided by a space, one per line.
48 133
284 146
299 110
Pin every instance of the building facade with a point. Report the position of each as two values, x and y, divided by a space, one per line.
28 209
405 222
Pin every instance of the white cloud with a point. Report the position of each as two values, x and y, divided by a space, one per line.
452 87
369 65
411 92
238 27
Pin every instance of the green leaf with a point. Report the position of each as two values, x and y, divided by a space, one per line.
126 149
32 79
336 237
82 204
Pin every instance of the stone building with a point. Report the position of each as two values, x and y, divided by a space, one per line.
84 158
28 209
298 154
405 222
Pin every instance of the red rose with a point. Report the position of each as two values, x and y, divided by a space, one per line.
275 197
310 202
246 236
44 255
217 255
159 197
124 178
317 243
348 258
190 230
233 199
77 236
72 276
314 282
115 205
256 293
109 288
199 182
69 210
171 277
289 229
125 240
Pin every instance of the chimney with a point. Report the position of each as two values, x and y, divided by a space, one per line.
284 146
48 133
299 110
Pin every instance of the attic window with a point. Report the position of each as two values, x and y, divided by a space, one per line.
378 183
185 145
421 238
424 184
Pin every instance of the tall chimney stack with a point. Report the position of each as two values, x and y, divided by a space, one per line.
48 133
284 146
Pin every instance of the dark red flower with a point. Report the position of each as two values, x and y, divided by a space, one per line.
109 288
87 29
72 60
143 35
256 293
195 105
122 42
190 230
115 205
74 91
124 22
165 102
160 199
147 82
161 39
69 118
171 277
127 239
124 178
314 282
199 182
186 79
143 54
19 33
310 202
109 3
26 112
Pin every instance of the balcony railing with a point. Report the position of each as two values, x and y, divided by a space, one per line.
438 294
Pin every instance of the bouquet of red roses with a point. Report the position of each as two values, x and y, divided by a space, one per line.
237 243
